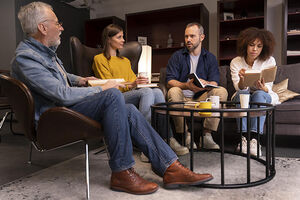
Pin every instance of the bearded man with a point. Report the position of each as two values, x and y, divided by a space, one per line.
193 58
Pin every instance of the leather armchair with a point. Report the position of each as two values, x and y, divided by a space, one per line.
4 105
57 127
82 56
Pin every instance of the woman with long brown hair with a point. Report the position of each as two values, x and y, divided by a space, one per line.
110 65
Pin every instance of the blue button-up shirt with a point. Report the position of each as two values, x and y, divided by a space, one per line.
36 66
179 66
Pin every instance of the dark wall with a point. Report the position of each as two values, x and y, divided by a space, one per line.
73 23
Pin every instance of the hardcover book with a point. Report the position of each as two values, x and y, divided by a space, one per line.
251 76
198 83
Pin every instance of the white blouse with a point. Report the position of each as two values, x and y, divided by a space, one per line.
239 62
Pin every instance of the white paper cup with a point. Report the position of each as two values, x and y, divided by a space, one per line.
244 100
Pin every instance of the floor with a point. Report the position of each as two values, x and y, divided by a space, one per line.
14 151
14 154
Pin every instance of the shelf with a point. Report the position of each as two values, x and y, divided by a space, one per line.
227 58
156 25
228 30
293 55
294 13
228 39
291 39
242 19
166 48
293 33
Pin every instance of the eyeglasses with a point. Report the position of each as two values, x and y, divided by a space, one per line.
57 23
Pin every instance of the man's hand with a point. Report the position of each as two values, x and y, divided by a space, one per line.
84 80
112 84
191 86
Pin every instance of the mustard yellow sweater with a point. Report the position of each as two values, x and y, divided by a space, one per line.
115 67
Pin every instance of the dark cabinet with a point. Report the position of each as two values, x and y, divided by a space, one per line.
156 25
291 32
233 17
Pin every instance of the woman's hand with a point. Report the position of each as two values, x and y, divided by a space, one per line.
242 78
260 85
141 80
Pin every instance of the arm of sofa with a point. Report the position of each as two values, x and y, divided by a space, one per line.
162 81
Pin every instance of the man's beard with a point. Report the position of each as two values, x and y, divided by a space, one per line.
193 47
55 43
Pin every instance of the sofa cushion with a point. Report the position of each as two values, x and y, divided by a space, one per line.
288 112
283 93
291 72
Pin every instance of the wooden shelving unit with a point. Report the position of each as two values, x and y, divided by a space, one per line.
245 14
156 25
291 32
94 28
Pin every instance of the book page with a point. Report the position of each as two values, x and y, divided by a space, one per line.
269 74
251 76
198 83
100 82
147 85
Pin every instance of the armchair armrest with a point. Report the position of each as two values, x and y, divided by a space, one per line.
61 126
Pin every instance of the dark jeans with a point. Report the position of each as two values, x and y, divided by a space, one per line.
123 125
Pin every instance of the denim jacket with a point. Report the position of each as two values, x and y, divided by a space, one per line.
35 65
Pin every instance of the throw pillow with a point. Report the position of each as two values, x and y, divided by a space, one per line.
283 93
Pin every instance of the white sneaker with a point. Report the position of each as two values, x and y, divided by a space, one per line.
208 142
244 146
253 147
188 141
144 158
177 148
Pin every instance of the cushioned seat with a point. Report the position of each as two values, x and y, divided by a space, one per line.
286 110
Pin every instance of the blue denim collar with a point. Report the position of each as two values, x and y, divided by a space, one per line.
40 47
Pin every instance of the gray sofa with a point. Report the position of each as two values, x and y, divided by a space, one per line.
287 114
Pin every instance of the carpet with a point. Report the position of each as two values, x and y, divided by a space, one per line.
66 180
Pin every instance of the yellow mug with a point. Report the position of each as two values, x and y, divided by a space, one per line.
204 105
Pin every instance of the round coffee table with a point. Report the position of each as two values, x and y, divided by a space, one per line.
227 110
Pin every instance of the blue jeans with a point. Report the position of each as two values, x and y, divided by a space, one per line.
258 96
123 125
143 98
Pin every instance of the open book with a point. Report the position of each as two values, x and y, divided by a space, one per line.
147 85
100 82
198 83
251 76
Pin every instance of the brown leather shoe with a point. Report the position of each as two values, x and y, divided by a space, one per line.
129 181
177 175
